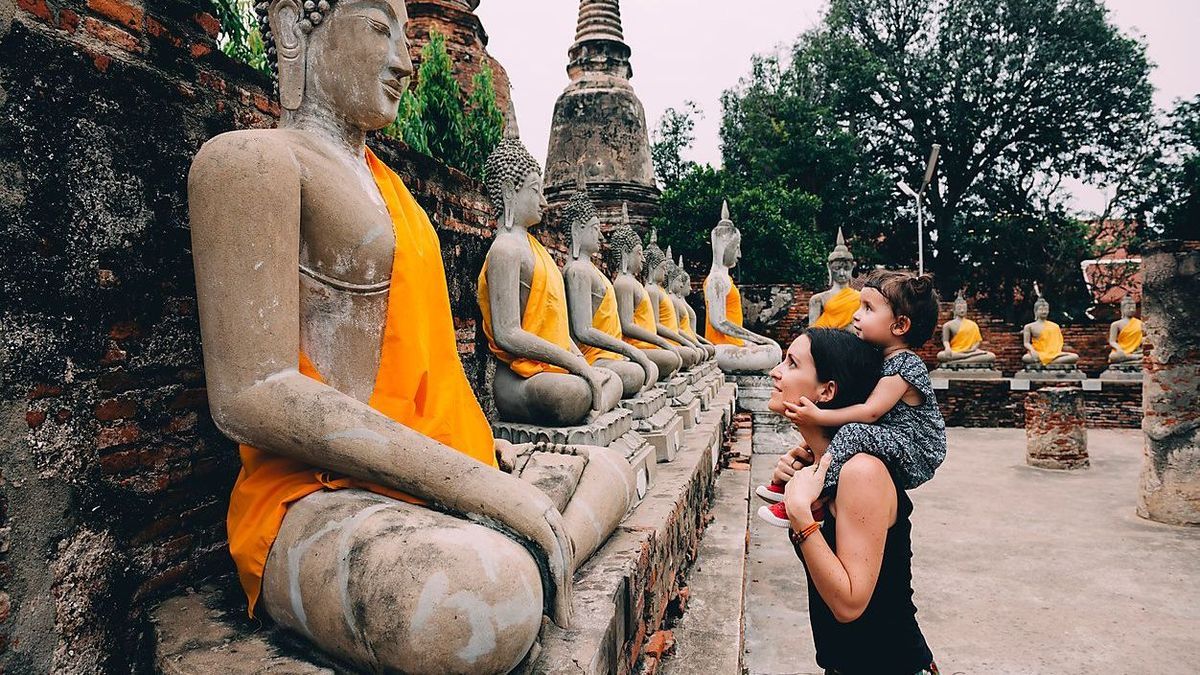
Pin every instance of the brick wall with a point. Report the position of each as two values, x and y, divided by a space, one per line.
990 403
113 479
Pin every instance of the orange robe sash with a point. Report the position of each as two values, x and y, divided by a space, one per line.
1049 344
733 313
839 310
667 316
1130 337
643 316
608 321
967 335
420 384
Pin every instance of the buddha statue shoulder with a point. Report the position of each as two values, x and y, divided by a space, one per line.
679 287
371 496
592 302
1043 339
543 378
1125 334
636 313
666 319
739 350
835 306
961 338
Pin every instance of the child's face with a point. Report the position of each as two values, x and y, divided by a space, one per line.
796 376
875 322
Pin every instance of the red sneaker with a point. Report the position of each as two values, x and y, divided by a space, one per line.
775 514
771 492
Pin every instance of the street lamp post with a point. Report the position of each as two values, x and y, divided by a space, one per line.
917 196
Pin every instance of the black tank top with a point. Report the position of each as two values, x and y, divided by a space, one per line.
886 638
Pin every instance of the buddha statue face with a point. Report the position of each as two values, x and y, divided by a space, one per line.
525 205
1128 307
637 260
960 307
347 59
1041 309
584 225
726 240
841 270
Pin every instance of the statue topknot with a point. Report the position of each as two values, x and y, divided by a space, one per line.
622 240
654 254
510 161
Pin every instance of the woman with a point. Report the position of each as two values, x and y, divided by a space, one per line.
859 560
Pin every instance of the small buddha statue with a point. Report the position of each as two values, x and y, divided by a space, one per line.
638 325
1125 335
373 500
1043 339
961 339
738 350
680 287
665 318
835 306
592 303
523 301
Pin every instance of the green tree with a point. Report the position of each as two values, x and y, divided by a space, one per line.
484 123
675 134
1175 201
240 37
441 107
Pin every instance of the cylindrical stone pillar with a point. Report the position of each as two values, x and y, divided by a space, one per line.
1055 431
1170 483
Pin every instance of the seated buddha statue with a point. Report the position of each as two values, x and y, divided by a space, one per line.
680 286
739 350
1125 335
961 339
1043 339
370 512
638 326
592 303
666 320
835 306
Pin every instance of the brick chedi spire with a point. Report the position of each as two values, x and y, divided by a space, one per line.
599 127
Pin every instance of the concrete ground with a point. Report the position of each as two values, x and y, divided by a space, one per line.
1016 569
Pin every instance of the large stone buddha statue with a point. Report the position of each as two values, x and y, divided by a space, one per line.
835 306
370 515
666 319
961 339
544 378
680 286
739 350
592 303
1043 340
638 325
1125 335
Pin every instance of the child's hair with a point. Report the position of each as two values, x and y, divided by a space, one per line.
911 296
841 357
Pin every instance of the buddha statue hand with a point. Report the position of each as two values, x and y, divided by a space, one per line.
506 455
593 378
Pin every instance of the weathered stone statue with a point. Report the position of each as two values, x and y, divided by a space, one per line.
679 287
370 515
523 301
1125 338
638 326
592 303
665 318
961 357
1045 353
723 308
835 307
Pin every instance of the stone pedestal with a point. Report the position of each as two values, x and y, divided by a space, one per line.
682 399
1055 431
657 423
1123 372
1051 373
1170 482
965 371
772 433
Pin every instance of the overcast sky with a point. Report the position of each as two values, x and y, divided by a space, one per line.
695 49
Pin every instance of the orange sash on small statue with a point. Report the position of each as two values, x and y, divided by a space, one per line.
733 314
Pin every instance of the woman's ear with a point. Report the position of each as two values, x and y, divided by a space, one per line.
901 325
827 392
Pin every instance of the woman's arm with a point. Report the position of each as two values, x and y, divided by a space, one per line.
866 508
885 396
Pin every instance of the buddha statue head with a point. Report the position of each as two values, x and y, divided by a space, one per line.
1041 309
841 262
345 61
513 179
656 261
726 240
960 306
625 247
1128 306
583 225
680 280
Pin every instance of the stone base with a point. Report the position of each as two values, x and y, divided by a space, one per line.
1055 428
1052 373
1129 372
602 431
683 400
657 423
965 371
773 434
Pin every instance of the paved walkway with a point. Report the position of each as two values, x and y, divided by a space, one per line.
1017 570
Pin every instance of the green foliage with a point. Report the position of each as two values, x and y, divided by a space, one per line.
1176 199
674 135
484 123
440 102
240 37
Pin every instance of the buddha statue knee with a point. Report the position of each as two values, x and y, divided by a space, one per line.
595 322
738 350
543 377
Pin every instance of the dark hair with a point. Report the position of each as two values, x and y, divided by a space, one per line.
842 357
910 296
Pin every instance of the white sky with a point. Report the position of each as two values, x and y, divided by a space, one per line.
695 49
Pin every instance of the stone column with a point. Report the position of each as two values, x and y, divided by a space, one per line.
1055 431
1170 483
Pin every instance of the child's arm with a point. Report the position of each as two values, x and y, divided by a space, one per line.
886 395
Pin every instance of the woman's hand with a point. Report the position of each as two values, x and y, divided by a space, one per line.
802 490
805 414
790 462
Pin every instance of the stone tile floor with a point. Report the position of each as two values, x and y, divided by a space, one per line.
1017 570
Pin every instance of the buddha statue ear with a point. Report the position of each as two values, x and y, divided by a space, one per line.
291 50
508 193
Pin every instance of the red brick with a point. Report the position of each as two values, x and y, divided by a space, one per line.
112 35
200 50
37 8
113 356
124 330
68 20
181 423
156 30
120 11
115 409
35 418
211 81
209 23
62 415
44 391
155 530
102 62
266 105
121 434
660 644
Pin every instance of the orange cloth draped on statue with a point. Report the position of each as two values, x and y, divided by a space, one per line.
685 324
545 312
1049 344
967 336
733 314
420 384
1130 337
667 315
839 310
643 316
608 321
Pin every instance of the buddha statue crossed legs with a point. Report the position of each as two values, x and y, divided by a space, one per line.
370 515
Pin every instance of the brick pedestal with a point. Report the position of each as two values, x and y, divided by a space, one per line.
1055 432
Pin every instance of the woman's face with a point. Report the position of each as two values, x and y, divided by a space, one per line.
796 376
874 320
